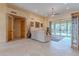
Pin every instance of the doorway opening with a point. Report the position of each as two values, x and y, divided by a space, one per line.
16 27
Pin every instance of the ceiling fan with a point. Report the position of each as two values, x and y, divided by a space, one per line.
52 13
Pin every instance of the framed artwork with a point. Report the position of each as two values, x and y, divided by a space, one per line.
32 24
37 24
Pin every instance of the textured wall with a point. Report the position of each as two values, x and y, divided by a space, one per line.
2 23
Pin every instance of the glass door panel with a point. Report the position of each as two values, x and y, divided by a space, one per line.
53 29
57 29
69 28
63 29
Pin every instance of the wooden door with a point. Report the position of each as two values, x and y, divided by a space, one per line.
23 28
10 28
17 28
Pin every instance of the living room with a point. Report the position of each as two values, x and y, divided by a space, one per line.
28 28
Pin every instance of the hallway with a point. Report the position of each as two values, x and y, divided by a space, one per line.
28 47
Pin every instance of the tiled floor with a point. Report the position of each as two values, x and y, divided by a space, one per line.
28 47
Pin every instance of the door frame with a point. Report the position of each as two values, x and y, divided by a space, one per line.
7 27
8 14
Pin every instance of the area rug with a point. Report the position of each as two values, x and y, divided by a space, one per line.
56 38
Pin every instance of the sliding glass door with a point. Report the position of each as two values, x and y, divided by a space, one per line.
61 28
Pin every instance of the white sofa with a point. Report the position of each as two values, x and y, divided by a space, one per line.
40 35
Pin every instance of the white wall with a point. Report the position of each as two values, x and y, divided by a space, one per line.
2 23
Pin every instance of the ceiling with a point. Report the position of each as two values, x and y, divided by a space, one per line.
44 8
